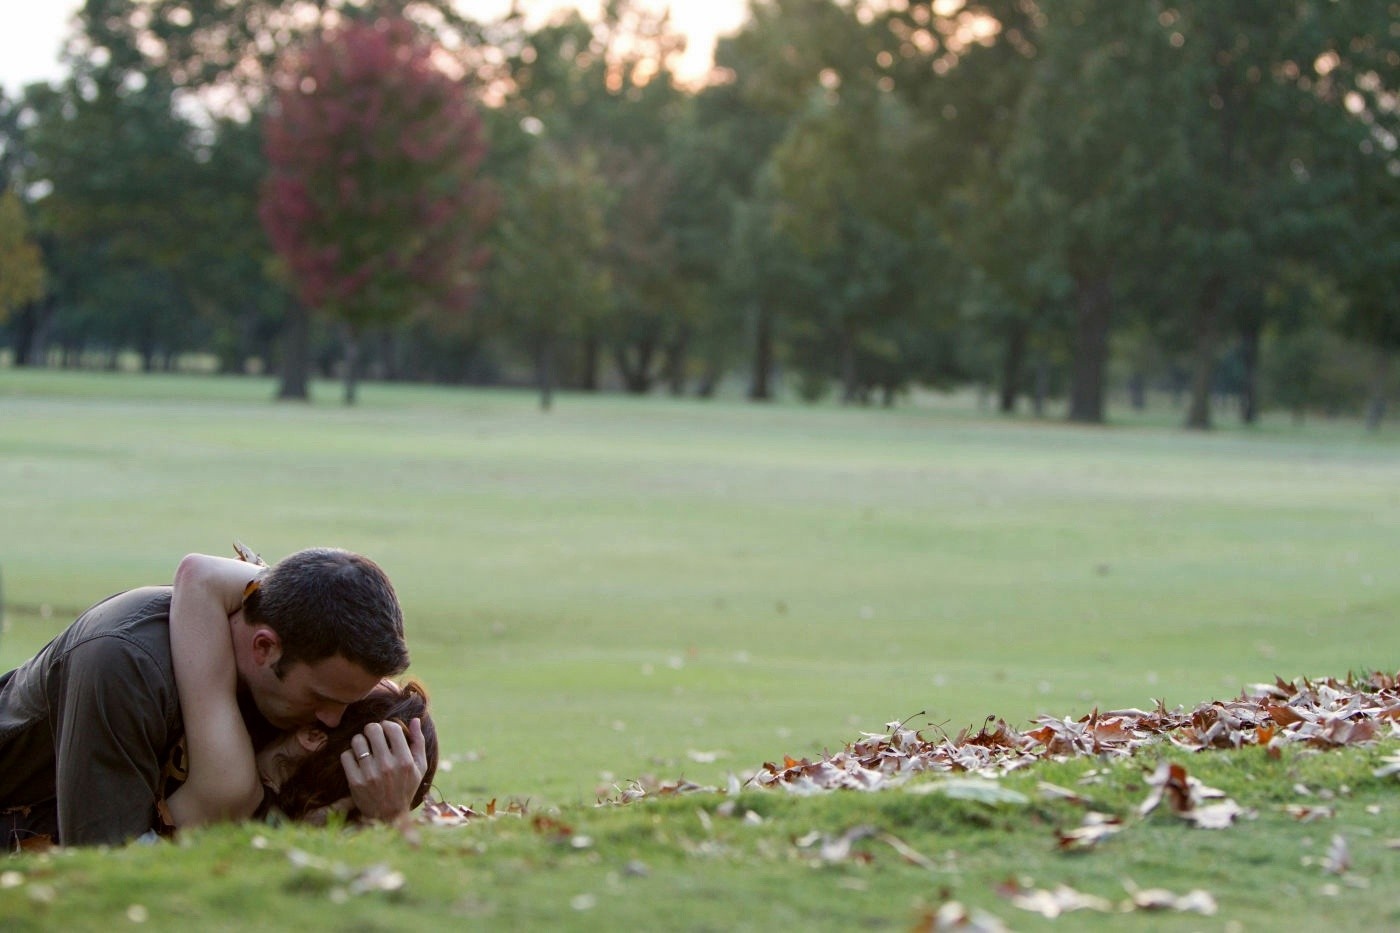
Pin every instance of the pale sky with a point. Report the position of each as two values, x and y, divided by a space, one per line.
32 31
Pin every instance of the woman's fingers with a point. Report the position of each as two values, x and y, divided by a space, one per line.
398 742
374 734
418 744
359 746
383 784
385 744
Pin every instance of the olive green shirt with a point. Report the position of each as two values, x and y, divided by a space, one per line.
87 725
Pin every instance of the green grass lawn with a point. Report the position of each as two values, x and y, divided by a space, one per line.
629 587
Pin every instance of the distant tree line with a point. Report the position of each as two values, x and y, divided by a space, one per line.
1044 198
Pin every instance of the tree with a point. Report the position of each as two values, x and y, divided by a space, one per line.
233 48
373 201
1089 161
21 265
719 150
1251 116
546 290
117 173
1363 78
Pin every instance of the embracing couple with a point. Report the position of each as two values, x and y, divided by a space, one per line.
240 691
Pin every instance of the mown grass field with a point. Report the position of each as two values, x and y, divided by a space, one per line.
674 588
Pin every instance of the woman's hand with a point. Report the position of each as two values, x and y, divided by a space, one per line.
384 768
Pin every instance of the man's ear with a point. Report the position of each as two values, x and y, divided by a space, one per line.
267 647
311 738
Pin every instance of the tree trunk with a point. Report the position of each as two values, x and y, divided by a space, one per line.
544 371
850 386
1042 387
1013 360
1205 327
1094 310
352 365
1249 354
675 364
295 375
1380 382
31 330
1137 390
388 344
592 352
636 377
761 376
709 379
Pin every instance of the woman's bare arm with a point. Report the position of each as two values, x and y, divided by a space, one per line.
223 782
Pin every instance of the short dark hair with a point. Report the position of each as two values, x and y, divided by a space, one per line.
319 779
327 601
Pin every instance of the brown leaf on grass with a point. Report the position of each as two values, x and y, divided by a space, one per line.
1184 796
1215 816
1168 783
1337 861
1339 732
955 916
907 852
1050 791
441 813
549 826
1052 903
1306 814
1285 715
1389 765
835 849
1195 901
1095 829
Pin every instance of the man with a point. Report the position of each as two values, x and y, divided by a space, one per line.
88 725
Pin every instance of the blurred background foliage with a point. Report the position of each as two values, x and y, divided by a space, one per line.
1057 201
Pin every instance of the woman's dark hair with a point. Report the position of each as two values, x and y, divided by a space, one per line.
327 601
319 779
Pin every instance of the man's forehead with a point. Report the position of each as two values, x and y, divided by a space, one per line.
337 678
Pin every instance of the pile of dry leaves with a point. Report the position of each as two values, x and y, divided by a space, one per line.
1324 713
1327 713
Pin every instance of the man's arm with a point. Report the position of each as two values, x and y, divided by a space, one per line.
112 733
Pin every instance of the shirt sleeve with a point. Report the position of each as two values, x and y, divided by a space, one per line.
110 739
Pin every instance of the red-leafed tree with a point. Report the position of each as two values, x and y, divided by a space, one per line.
373 200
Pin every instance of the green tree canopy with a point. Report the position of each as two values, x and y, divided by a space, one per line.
21 264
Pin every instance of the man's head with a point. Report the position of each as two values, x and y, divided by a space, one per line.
320 629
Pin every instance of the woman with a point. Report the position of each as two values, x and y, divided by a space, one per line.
376 762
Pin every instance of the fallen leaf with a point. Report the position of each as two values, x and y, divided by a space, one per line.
1050 791
379 877
979 789
1337 861
1095 829
1391 765
906 851
1062 900
1215 816
1184 794
955 916
1306 814
839 848
1195 901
